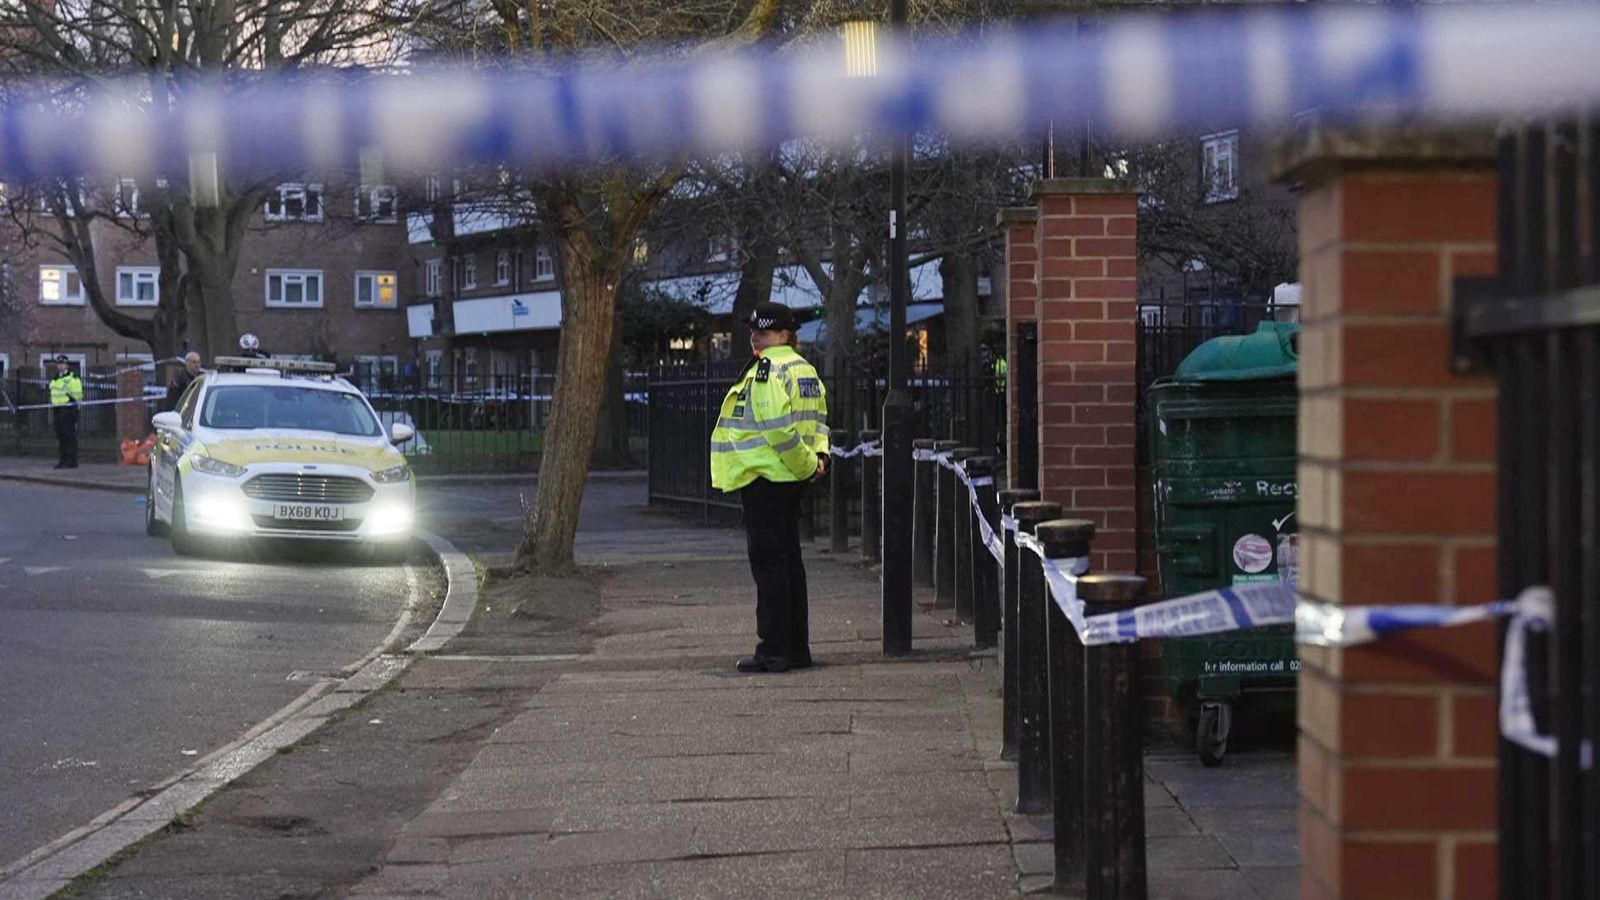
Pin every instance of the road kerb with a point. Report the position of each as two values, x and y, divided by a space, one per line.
51 867
460 599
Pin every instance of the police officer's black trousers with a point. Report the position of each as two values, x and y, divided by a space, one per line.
772 534
67 435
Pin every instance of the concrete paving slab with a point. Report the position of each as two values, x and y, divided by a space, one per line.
1274 882
483 823
789 876
1197 851
1168 821
556 851
721 840
1279 847
765 812
1188 884
956 873
1035 859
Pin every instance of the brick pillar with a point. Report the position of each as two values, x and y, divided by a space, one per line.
1087 380
133 419
1397 505
1022 287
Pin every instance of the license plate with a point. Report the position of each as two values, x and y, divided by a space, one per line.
308 512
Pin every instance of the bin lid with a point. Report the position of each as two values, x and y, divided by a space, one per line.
1272 352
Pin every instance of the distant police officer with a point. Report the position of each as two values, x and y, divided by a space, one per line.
66 392
771 439
250 347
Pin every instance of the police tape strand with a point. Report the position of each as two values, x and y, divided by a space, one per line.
870 448
148 398
1276 603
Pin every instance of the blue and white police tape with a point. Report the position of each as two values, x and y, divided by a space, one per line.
870 448
148 398
1132 75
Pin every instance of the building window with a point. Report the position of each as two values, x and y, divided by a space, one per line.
502 268
60 286
295 202
430 278
294 288
376 204
434 364
544 265
469 271
138 285
1219 166
376 290
79 364
721 249
127 197
377 371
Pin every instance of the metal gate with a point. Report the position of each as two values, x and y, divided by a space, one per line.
1537 328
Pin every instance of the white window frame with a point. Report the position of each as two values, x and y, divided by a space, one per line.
368 198
544 265
303 277
1219 154
290 190
434 366
502 268
65 276
722 248
150 274
377 277
47 364
430 277
5 365
469 271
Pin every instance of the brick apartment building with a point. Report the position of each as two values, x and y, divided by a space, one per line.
325 271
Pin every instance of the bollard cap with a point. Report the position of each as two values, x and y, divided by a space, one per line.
1065 537
980 465
1110 591
1012 496
923 444
961 453
1032 513
868 435
942 446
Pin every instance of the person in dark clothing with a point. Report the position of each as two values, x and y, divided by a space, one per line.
66 392
181 382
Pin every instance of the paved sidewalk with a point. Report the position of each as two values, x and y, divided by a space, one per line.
647 767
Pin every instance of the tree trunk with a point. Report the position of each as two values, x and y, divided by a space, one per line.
569 435
959 271
755 286
611 448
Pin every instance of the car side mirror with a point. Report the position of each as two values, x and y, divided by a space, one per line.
400 432
167 421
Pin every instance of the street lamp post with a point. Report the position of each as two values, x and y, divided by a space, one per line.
897 463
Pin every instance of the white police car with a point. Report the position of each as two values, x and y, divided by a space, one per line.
273 448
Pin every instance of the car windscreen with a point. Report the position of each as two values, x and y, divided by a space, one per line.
244 406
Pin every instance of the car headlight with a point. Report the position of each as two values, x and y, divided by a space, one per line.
213 466
393 476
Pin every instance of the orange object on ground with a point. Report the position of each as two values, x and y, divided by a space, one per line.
137 453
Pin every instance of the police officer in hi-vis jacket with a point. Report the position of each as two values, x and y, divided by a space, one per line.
66 392
771 440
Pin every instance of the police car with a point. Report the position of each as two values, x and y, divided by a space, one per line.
269 448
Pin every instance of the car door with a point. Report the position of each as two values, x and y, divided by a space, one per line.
170 447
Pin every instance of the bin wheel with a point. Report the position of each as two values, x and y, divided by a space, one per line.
1211 732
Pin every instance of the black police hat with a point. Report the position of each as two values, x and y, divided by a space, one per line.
61 358
773 317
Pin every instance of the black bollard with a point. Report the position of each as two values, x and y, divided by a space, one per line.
839 494
944 557
1033 684
1064 539
871 501
1008 622
925 518
1114 772
963 537
985 568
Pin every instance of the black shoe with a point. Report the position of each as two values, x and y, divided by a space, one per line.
762 664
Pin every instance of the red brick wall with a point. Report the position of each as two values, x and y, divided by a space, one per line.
1087 380
1397 504
1022 289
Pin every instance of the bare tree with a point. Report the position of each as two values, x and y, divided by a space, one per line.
158 45
593 215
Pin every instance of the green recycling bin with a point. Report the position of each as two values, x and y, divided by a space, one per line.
1223 460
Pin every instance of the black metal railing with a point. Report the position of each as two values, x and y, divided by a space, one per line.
489 420
26 428
1537 328
965 403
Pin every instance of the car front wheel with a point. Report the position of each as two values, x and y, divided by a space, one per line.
152 525
183 543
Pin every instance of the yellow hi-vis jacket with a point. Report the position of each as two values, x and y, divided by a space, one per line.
66 389
773 423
